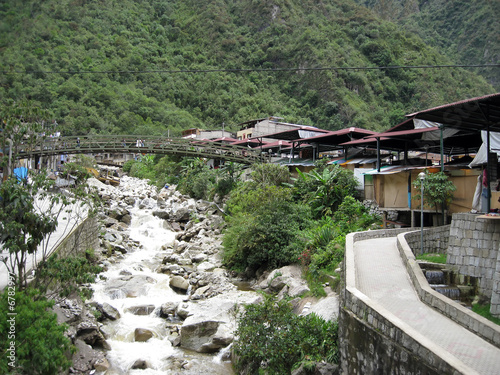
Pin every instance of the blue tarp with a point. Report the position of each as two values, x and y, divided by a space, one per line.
21 173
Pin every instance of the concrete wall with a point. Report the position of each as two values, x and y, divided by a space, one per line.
84 236
374 341
474 251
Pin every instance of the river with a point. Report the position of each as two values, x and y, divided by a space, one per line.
157 355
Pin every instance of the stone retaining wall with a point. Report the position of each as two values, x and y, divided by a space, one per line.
474 251
456 312
84 236
435 240
374 341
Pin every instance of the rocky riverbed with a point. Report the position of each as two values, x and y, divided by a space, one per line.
163 303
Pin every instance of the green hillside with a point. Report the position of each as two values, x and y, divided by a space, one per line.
124 58
468 31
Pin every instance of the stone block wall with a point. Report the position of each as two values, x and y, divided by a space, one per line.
474 251
372 344
372 341
84 236
435 240
454 311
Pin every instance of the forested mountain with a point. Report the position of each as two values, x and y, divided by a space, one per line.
468 31
114 65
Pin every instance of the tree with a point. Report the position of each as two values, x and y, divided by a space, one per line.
22 229
29 211
438 190
21 123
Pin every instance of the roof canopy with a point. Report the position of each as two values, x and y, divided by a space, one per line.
471 114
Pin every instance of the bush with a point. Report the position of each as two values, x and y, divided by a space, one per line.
270 174
266 238
66 275
272 339
249 197
40 343
128 165
325 189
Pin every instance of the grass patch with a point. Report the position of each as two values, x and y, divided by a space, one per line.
315 280
484 311
432 257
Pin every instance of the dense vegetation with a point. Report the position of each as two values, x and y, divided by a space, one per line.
466 31
274 340
112 51
39 342
273 221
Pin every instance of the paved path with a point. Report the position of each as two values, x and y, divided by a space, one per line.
381 275
67 221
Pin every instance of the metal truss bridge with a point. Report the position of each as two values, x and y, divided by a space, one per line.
115 144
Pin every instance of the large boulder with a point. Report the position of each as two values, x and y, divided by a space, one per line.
182 214
179 283
108 311
142 334
286 281
141 309
212 323
128 286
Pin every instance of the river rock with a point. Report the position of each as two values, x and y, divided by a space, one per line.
139 364
130 201
113 236
181 215
68 311
128 286
212 322
101 365
162 214
168 308
142 334
289 277
118 213
89 333
84 358
141 309
327 308
108 311
182 310
206 267
126 219
179 283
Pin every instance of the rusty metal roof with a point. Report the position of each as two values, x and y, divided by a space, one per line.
470 114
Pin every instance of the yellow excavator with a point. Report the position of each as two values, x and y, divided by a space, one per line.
104 176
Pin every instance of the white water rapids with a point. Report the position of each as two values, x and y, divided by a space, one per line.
161 357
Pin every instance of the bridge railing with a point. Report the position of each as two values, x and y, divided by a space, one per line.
143 145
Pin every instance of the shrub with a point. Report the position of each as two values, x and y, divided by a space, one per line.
66 275
272 339
249 197
325 189
270 174
40 343
266 238
128 165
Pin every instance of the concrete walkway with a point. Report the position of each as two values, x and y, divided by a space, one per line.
382 276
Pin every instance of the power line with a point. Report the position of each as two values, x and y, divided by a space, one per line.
175 71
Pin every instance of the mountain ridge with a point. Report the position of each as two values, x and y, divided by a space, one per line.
153 35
